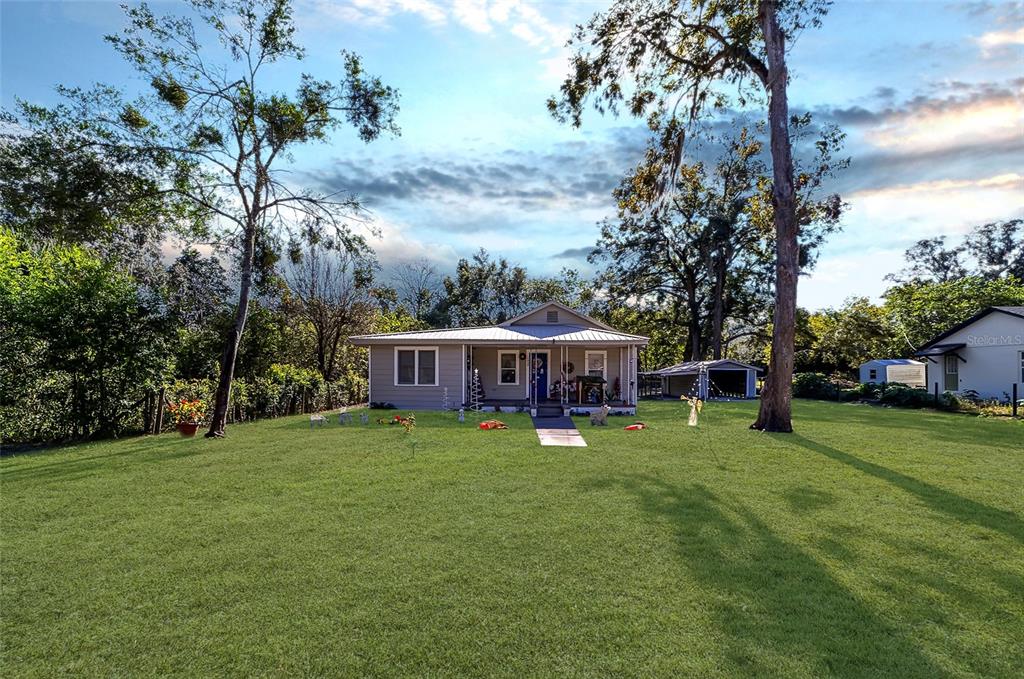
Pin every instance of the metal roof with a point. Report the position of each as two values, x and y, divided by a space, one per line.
694 367
891 361
503 334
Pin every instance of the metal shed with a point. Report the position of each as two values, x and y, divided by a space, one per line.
904 370
723 378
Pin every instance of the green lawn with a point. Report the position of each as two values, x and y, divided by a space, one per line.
873 543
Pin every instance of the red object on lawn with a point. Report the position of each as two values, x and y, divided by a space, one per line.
493 424
635 427
188 429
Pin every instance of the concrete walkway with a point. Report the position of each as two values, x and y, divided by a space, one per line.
558 431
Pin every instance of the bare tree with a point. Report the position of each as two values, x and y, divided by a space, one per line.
330 289
418 286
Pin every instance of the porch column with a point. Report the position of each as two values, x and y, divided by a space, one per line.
463 368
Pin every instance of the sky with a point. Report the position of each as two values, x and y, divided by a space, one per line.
930 94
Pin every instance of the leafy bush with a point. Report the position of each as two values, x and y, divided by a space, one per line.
905 396
814 385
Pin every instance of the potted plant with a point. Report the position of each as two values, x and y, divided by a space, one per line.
188 415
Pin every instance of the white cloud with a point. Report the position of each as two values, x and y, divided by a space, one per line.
940 207
995 39
472 14
943 125
520 19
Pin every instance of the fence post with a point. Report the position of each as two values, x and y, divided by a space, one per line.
1013 404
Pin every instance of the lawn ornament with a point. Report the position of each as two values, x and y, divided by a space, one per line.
696 405
344 418
462 414
600 419
636 426
316 419
493 424
364 418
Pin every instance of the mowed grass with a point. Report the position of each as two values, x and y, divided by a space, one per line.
873 543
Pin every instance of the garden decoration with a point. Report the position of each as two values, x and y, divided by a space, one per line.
636 426
364 418
696 405
476 392
462 414
600 418
188 415
316 419
493 424
344 418
444 400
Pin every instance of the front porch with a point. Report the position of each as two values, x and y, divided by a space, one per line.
557 379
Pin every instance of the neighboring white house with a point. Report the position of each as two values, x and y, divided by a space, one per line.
985 354
903 370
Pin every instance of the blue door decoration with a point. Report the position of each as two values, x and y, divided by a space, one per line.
539 373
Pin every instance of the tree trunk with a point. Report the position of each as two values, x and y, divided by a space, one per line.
234 337
718 309
158 421
776 398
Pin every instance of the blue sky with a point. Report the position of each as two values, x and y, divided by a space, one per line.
930 94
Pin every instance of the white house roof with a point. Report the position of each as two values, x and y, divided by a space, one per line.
694 367
505 334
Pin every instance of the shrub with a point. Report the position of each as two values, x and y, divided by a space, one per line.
902 395
814 385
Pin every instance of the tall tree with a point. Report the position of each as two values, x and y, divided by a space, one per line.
220 134
930 259
483 291
672 53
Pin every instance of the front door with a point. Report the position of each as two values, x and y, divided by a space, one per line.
952 382
538 376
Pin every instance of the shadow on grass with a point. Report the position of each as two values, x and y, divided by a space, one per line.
939 499
142 449
780 610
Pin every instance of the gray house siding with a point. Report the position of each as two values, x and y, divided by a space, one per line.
540 317
382 379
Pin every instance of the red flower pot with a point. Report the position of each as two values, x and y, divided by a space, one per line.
188 429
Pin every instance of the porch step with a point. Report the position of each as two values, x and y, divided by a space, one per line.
549 411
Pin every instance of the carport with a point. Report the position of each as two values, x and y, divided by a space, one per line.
723 378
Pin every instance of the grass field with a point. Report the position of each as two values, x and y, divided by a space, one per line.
872 543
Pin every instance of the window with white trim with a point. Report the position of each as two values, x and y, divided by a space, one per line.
416 366
508 367
872 374
597 364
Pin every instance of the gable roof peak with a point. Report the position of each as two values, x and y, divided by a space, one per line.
591 322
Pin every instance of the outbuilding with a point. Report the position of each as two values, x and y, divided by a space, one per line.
984 354
903 370
723 378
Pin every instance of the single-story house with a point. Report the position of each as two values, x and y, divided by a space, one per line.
903 370
984 354
722 378
548 360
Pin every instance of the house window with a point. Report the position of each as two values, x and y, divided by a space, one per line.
872 374
553 316
1022 366
416 366
951 365
597 362
508 367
